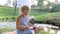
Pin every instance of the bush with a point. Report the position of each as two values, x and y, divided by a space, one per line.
49 18
56 8
8 18
42 18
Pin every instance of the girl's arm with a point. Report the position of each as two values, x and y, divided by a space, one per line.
18 26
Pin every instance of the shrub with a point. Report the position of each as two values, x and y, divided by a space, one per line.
49 18
56 8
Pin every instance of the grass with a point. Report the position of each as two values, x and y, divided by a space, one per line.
51 17
43 32
39 14
3 30
8 18
6 29
7 11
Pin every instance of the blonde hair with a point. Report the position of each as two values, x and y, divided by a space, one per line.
23 8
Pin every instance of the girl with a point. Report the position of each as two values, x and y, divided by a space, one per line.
22 24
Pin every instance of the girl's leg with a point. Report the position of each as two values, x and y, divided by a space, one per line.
36 30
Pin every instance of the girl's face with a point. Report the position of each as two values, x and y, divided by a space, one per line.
26 12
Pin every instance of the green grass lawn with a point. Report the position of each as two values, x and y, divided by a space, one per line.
39 14
7 11
3 30
7 14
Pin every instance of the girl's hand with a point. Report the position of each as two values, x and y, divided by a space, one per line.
29 27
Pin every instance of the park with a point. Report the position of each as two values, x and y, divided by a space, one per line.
46 13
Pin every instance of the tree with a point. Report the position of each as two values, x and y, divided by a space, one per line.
56 8
15 4
8 2
40 3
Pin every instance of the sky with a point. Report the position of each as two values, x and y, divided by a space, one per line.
21 2
2 2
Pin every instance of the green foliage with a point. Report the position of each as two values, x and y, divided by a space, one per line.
8 18
6 29
40 3
42 18
49 18
39 14
43 32
0 31
56 8
7 11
